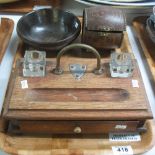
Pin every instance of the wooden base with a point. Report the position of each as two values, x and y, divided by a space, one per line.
78 146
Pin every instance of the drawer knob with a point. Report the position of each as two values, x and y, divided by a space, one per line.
77 130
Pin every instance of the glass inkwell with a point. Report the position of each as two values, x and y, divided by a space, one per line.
34 64
121 65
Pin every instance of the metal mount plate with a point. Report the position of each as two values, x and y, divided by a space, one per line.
77 70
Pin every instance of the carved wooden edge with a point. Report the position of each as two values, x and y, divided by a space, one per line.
6 29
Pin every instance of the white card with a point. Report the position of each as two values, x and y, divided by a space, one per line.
122 150
135 84
24 84
124 137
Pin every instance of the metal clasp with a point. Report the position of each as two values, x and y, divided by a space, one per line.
77 70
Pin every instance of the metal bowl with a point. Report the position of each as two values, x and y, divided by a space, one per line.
48 29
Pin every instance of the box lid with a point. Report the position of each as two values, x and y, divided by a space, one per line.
104 18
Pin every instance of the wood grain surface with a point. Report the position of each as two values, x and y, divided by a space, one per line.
6 28
41 91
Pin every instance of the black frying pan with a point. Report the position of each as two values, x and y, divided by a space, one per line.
48 29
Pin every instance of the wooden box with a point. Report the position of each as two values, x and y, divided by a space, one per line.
60 104
103 27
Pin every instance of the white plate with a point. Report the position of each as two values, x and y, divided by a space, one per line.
142 3
126 1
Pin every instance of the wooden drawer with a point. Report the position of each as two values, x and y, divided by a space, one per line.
72 127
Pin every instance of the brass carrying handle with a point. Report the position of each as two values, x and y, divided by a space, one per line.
58 70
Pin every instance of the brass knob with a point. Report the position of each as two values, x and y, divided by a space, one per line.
77 130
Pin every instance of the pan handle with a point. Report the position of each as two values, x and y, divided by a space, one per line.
58 70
